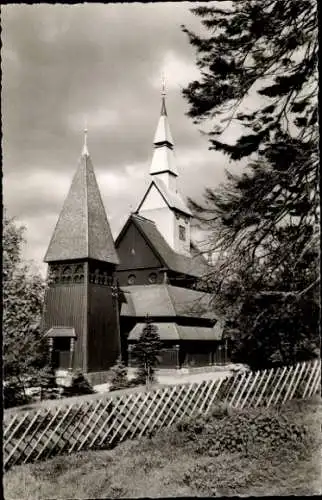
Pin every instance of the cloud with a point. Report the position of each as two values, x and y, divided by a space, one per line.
62 63
178 72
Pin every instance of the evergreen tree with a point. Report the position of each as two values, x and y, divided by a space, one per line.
119 378
24 351
146 351
264 222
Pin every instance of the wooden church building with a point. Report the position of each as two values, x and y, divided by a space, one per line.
100 291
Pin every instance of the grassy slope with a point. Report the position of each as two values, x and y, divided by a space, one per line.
166 465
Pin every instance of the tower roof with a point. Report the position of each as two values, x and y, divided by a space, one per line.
82 230
163 159
163 133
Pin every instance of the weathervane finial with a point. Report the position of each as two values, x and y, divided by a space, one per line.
85 149
163 91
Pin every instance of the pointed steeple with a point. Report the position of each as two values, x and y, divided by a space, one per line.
163 160
82 230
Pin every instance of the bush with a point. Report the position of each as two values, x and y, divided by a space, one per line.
119 378
231 430
14 394
79 386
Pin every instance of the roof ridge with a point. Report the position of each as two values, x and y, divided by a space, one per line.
86 203
171 299
139 216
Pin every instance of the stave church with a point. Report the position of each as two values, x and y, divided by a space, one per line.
100 291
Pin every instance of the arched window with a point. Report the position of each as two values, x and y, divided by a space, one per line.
67 274
79 273
153 277
131 279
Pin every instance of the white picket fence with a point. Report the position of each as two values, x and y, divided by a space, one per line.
66 426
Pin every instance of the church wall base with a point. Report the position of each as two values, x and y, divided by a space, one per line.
97 378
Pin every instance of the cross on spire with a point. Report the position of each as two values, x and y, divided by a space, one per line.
85 148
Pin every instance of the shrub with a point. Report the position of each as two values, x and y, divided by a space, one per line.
119 378
14 394
80 386
231 430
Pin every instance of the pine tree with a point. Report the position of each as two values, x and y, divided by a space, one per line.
145 353
119 378
264 222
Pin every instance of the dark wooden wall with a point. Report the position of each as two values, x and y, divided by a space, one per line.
65 305
103 343
142 257
141 276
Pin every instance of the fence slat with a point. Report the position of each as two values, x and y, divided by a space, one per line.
214 394
237 388
179 408
123 400
154 411
264 388
316 379
136 415
148 409
126 417
290 385
91 429
42 434
257 387
242 404
244 388
276 386
302 373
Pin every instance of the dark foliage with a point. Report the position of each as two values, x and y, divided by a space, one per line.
145 353
264 222
119 378
14 395
24 350
80 386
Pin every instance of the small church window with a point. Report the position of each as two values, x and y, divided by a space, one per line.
182 233
152 277
131 279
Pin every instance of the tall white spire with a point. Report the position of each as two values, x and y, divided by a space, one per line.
163 160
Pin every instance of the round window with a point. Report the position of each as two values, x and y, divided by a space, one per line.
153 277
131 279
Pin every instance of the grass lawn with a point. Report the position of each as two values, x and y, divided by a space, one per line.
168 464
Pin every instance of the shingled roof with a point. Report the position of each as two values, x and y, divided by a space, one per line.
82 230
196 265
173 331
166 301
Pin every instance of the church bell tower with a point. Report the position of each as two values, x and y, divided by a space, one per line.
80 315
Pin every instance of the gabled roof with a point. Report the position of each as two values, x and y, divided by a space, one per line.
196 265
166 301
172 198
82 230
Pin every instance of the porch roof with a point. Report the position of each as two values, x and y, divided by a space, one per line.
60 331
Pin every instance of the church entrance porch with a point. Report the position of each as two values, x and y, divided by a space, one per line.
61 342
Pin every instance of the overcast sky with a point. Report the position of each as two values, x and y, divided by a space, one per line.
61 63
